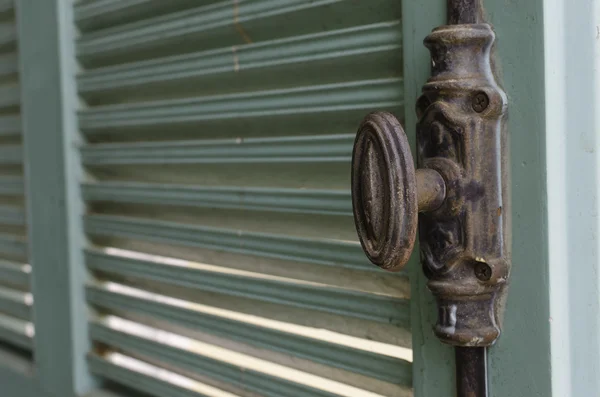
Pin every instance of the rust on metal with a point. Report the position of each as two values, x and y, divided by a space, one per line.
464 12
387 192
431 189
384 191
459 192
471 372
456 196
464 243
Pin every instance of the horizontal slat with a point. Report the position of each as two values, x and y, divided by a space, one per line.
255 286
220 19
10 215
11 154
11 186
8 65
103 14
115 11
368 94
8 34
9 125
150 379
7 5
359 41
15 303
14 274
13 245
310 149
306 201
96 8
348 357
148 32
224 365
16 332
10 94
111 393
18 366
336 253
100 8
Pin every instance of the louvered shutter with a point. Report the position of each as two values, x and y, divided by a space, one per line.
16 328
219 137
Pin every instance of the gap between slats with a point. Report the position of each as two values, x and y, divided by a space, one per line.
260 376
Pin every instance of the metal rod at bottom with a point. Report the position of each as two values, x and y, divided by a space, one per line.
471 372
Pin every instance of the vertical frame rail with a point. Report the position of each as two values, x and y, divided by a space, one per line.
53 171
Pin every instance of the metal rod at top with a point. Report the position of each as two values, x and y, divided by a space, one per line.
463 11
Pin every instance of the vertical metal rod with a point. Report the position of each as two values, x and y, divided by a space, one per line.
471 372
463 11
471 362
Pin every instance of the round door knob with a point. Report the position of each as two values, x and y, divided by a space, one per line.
387 191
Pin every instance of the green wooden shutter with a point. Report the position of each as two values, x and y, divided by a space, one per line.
218 144
16 328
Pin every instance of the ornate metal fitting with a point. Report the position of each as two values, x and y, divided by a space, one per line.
459 190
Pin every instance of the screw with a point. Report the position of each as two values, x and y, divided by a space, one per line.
483 271
480 102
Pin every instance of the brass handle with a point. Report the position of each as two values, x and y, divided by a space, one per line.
387 191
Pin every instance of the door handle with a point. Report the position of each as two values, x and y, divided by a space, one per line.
457 198
387 191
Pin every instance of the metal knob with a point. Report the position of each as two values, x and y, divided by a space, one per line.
387 191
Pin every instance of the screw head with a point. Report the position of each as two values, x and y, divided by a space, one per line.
483 271
480 102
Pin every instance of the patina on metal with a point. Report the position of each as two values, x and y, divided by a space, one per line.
460 190
387 192
471 372
460 134
462 12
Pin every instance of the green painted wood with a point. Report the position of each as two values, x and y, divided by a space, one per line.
433 363
15 303
17 376
104 13
50 138
9 66
390 369
11 186
195 361
148 380
304 201
254 286
10 125
17 332
267 126
15 274
327 252
12 215
11 154
13 245
311 149
204 26
8 34
322 100
345 46
520 363
7 6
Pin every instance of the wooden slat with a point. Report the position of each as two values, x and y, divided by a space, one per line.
323 99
